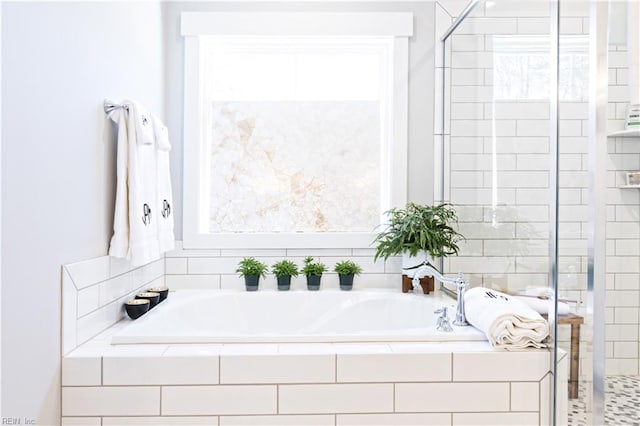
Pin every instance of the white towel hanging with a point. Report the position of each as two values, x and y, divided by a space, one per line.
138 209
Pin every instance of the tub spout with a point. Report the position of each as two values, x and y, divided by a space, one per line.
461 285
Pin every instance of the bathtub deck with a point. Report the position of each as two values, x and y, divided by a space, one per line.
441 383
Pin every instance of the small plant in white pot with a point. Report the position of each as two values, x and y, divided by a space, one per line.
313 271
420 233
251 269
284 270
346 270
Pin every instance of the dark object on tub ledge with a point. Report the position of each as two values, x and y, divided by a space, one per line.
162 291
136 307
153 298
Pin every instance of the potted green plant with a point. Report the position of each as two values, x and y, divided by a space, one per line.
251 269
346 270
420 233
284 270
313 271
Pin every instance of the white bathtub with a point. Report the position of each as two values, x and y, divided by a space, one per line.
217 316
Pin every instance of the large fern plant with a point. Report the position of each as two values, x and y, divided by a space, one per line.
417 228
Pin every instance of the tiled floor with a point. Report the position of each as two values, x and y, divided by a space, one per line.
622 403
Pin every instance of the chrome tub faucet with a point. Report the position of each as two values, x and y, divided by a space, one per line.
461 285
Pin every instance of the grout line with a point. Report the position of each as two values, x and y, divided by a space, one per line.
160 400
510 398
452 363
394 398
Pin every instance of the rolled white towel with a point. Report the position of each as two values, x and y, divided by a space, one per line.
541 306
507 322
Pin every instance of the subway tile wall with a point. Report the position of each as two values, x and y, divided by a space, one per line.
498 159
213 269
94 291
505 215
622 231
331 384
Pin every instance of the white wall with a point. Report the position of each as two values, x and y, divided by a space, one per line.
421 71
59 61
0 202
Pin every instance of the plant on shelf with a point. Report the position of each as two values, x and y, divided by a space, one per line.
346 270
419 233
313 271
251 269
284 270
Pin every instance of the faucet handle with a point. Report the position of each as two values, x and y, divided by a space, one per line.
442 311
443 320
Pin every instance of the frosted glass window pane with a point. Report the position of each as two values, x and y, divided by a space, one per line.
294 135
295 166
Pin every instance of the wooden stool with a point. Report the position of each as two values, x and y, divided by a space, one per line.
574 350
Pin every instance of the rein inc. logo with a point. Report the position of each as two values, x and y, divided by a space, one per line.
17 421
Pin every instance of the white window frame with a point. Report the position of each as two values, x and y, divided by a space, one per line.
399 25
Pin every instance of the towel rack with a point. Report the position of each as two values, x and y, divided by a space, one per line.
110 106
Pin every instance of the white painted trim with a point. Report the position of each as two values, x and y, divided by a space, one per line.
265 240
192 132
194 159
297 23
1 7
400 141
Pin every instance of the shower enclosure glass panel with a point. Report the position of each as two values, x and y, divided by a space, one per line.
516 82
497 144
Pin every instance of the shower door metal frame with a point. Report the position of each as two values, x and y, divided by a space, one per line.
597 171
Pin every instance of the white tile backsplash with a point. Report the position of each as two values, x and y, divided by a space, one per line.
452 397
81 371
89 272
421 419
94 291
303 368
285 420
164 370
160 421
336 398
82 421
110 401
525 396
219 400
394 367
497 419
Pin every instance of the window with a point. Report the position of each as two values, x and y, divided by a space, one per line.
521 68
292 139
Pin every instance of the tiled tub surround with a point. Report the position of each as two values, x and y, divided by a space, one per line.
93 293
453 383
278 384
212 269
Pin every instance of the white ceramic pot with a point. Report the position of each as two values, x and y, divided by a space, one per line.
409 263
